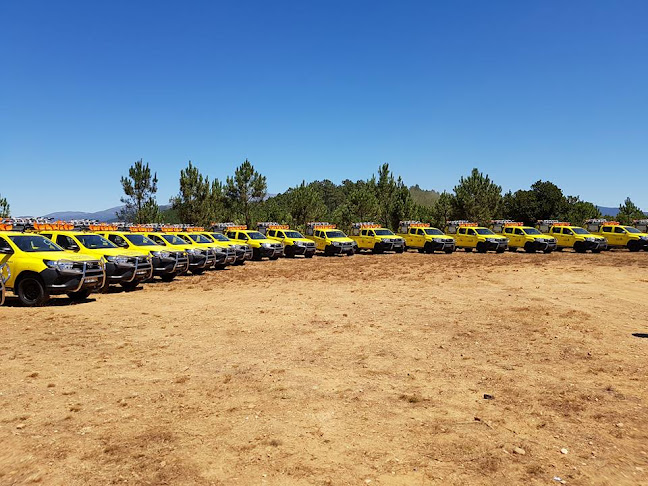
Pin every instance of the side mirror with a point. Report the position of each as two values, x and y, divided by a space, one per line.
73 248
6 251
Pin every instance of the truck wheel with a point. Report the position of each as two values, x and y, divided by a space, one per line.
597 251
481 248
421 250
128 286
512 249
256 255
198 271
528 247
167 277
275 257
289 252
547 251
633 245
309 255
500 250
449 251
428 248
377 249
79 296
468 250
32 292
399 250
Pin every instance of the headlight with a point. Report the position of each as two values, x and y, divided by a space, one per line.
161 254
62 265
590 239
120 260
643 237
266 245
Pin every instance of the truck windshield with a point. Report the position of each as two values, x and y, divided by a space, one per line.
484 231
95 242
630 229
255 235
140 240
199 238
433 232
335 234
33 243
580 231
293 234
174 240
383 232
531 231
219 237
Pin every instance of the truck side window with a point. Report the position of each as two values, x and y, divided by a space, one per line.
607 229
567 231
471 232
271 232
4 244
462 231
47 235
518 231
619 229
363 233
420 232
64 241
118 240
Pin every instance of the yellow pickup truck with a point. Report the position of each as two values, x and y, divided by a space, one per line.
524 237
330 240
569 236
471 236
373 237
420 236
38 268
618 235
294 243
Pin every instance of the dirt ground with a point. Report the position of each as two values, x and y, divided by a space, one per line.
379 369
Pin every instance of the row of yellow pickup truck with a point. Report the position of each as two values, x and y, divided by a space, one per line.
40 259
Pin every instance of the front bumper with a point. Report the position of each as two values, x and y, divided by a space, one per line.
5 274
176 263
543 245
89 277
390 245
496 245
225 256
303 250
345 248
136 270
595 245
442 245
271 252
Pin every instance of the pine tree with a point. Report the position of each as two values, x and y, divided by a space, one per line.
139 188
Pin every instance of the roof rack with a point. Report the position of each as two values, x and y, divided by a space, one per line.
263 227
404 226
223 227
320 225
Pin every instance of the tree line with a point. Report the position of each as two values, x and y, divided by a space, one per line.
383 198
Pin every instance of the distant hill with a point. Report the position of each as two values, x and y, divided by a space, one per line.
605 211
107 215
423 197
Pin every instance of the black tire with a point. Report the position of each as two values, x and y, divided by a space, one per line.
256 255
421 250
481 248
129 286
448 252
633 246
500 250
468 250
289 252
376 249
528 247
547 251
197 271
79 296
309 255
350 253
32 292
512 249
168 277
428 248
597 251
274 258
399 250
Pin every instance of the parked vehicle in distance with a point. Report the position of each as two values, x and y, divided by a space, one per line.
294 243
262 247
330 240
200 259
471 236
38 268
243 251
524 237
224 255
618 235
569 236
373 237
420 236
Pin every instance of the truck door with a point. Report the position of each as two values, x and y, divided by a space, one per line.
5 257
471 237
620 236
519 237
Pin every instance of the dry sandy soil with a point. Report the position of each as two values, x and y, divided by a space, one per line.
363 370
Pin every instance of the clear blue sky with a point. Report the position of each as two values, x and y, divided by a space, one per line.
548 90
